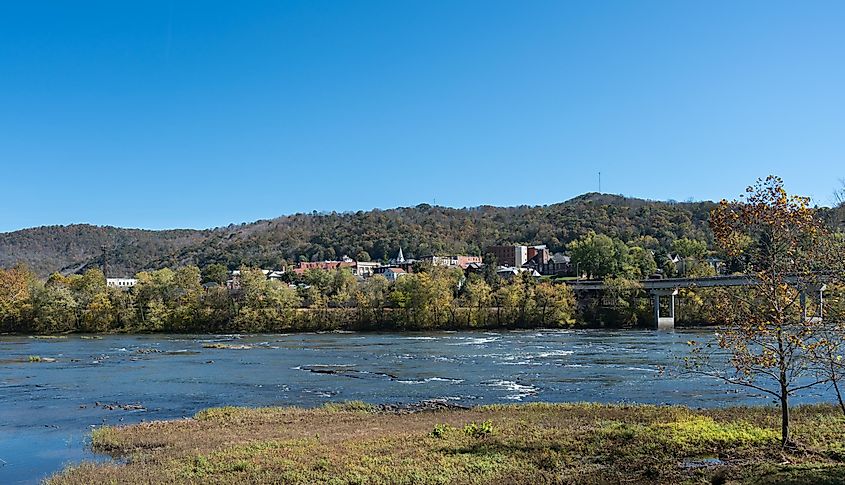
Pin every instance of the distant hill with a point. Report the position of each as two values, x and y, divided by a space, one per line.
375 234
70 249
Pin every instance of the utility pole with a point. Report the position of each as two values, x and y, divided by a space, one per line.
599 182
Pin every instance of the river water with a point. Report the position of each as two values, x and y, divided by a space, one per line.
47 409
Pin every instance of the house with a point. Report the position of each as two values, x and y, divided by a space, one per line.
393 274
123 283
509 272
557 265
474 268
275 275
234 281
717 264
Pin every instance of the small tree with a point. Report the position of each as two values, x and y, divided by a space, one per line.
692 253
477 296
555 304
598 255
766 338
15 297
370 298
215 273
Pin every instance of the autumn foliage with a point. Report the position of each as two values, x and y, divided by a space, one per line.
767 335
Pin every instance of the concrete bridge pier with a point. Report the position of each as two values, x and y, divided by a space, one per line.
664 322
817 290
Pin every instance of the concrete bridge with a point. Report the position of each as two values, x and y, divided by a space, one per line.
668 288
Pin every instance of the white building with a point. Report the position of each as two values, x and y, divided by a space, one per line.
393 274
121 282
365 269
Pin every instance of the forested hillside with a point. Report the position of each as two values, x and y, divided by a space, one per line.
71 249
375 235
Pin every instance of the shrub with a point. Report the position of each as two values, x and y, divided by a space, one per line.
441 430
479 430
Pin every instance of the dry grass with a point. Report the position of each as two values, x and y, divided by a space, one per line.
535 443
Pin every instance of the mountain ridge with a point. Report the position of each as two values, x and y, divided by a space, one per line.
374 234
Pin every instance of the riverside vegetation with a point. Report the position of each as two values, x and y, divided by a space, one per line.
531 443
175 301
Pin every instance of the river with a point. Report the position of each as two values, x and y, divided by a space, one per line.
47 409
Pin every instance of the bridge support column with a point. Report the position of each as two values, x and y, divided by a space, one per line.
817 315
664 322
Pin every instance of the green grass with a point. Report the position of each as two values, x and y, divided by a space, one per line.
693 434
346 443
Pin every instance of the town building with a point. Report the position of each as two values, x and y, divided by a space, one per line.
539 254
512 256
517 255
474 268
362 269
459 261
509 272
557 265
124 283
303 266
398 262
365 269
275 275
392 274
234 281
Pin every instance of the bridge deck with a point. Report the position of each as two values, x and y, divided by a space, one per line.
672 283
706 282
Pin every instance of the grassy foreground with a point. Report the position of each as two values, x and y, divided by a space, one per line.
531 443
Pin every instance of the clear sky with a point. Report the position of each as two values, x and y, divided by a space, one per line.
162 114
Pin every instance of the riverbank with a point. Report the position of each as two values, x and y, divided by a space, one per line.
528 443
362 329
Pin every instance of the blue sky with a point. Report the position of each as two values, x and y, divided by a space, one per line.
162 114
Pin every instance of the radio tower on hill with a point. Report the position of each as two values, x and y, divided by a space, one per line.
105 260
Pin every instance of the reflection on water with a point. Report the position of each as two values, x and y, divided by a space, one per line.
47 409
